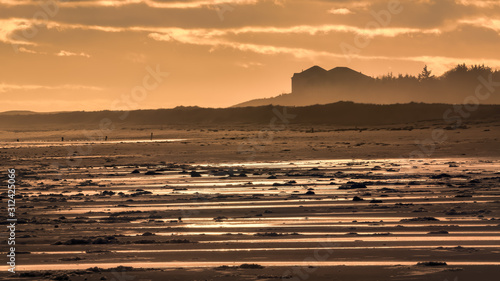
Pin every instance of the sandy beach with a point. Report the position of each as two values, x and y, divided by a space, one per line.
202 204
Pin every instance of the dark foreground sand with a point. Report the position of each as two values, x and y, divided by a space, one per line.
226 204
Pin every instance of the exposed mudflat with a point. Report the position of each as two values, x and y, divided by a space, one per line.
126 210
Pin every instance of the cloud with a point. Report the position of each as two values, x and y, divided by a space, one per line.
440 64
43 104
340 11
222 38
304 29
26 87
136 57
150 3
249 64
479 3
64 53
489 23
8 27
24 50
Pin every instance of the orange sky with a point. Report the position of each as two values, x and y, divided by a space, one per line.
96 54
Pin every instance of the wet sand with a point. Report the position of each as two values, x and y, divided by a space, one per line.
197 205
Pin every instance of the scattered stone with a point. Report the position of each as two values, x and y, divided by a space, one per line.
432 263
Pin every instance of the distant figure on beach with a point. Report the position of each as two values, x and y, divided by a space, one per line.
151 136
17 140
62 138
106 138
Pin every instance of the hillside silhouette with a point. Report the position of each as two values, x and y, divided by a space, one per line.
339 114
319 86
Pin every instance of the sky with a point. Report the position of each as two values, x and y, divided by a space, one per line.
129 54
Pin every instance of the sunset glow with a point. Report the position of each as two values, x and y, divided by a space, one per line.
85 55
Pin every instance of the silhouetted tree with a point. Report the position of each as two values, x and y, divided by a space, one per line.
425 74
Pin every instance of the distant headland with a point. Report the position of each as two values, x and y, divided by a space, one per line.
317 85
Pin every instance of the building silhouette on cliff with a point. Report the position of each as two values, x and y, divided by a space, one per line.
316 80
